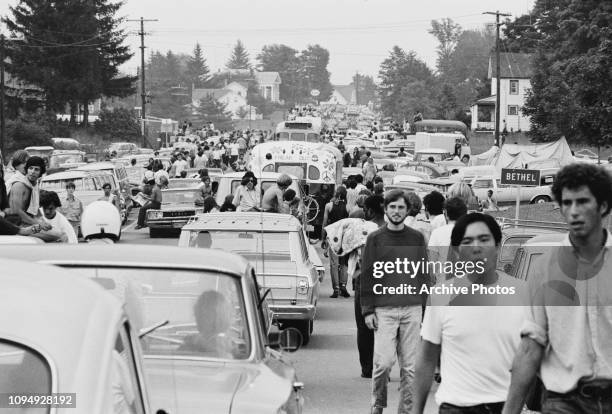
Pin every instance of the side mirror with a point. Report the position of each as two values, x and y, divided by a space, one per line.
508 268
288 340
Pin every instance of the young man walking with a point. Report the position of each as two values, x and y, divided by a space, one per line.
390 300
475 337
567 337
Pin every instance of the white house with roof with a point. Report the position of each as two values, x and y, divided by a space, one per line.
269 85
343 95
516 70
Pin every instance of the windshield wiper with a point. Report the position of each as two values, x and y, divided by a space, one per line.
145 331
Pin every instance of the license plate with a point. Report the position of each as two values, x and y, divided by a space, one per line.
178 225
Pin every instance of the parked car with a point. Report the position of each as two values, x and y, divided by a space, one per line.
506 194
241 374
277 247
61 333
88 185
228 183
178 207
527 256
62 160
122 149
515 237
121 176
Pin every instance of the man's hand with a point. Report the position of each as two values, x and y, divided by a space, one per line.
371 321
44 226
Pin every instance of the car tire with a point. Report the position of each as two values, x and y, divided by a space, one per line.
154 233
305 328
541 200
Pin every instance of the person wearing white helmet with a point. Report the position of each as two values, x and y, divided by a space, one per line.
101 221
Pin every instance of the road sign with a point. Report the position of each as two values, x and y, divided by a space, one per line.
522 177
315 92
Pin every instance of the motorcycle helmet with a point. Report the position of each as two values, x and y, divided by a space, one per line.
101 220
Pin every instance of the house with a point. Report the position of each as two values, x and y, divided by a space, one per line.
233 96
516 70
343 95
269 85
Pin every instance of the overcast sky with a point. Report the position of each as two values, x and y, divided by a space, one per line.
358 33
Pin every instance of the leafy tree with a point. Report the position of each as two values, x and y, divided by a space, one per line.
21 133
313 72
572 81
447 32
446 102
239 58
117 123
197 69
406 85
284 60
71 49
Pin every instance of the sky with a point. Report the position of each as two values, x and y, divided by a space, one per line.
359 34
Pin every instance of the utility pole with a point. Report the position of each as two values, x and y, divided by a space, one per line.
497 78
143 92
2 121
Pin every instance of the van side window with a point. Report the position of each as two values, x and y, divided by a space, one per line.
126 389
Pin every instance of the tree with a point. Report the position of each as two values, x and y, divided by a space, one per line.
447 32
365 88
406 85
239 58
446 102
211 110
572 81
71 49
284 60
197 70
118 122
313 72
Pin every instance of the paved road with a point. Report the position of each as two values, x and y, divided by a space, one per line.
329 364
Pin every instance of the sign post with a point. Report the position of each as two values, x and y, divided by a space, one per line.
520 178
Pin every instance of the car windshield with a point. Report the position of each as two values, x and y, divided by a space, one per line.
57 160
179 197
23 371
249 244
205 310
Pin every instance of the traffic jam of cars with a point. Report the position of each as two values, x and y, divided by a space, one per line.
192 280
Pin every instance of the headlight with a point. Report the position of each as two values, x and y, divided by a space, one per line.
302 287
199 210
154 214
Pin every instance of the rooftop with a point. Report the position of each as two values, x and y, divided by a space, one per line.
245 221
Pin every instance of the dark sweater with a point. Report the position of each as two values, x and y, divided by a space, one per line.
385 246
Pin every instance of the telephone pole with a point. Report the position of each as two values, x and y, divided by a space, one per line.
357 88
2 121
497 78
143 92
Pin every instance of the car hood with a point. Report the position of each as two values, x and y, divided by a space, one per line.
178 206
190 387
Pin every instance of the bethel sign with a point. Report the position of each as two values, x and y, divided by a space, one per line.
520 177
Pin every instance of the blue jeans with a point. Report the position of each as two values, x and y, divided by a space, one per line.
397 334
338 271
575 402
491 408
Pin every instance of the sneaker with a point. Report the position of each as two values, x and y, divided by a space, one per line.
344 292
139 227
335 294
366 374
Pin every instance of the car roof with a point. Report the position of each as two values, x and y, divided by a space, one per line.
131 255
433 151
72 175
267 175
539 231
552 239
245 221
40 148
58 313
94 166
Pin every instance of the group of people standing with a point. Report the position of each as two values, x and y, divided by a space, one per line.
491 351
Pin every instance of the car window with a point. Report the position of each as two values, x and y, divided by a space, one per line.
510 246
24 371
249 244
126 388
205 310
514 271
483 184
534 259
303 247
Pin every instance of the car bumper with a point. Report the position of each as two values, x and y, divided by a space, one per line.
293 312
168 223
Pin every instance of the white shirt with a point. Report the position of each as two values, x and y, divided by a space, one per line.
234 149
181 165
439 242
478 345
60 223
161 173
437 221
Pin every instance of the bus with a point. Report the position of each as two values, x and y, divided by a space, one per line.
437 126
303 129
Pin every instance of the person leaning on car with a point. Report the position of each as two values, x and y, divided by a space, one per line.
273 197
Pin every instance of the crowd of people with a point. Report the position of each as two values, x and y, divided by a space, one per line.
547 344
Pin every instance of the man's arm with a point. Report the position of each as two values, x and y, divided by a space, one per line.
325 219
19 196
524 369
367 282
428 356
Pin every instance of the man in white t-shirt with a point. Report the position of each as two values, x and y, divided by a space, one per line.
474 335
440 238
434 209
49 203
180 165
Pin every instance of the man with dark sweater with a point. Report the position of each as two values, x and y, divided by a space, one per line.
394 270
